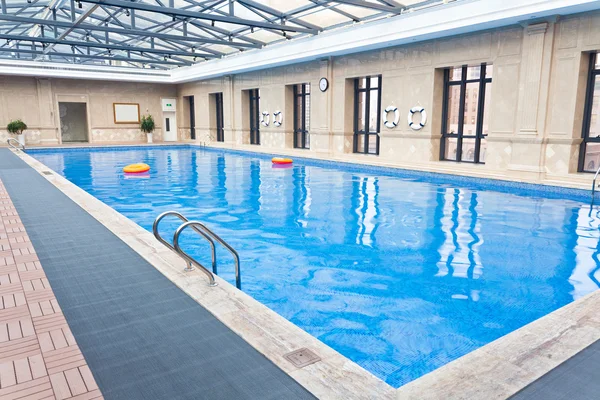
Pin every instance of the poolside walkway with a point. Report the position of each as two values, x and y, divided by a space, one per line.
578 378
39 357
142 337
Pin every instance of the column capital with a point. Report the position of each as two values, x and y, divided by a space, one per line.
536 29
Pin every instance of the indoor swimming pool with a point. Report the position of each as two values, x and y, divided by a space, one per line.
401 272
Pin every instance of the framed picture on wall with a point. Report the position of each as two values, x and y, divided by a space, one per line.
126 113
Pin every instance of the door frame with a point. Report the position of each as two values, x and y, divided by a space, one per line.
72 98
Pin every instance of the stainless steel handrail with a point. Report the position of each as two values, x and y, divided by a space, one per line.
594 184
190 261
198 224
8 141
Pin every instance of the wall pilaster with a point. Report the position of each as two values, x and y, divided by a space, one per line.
528 142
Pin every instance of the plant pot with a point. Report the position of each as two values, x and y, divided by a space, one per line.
21 139
149 135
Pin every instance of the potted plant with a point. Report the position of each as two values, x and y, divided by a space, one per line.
16 127
147 125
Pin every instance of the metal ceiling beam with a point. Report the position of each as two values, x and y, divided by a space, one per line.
369 5
170 11
54 42
76 22
91 56
256 6
130 32
222 41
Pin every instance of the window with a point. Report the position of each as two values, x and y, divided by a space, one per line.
302 116
192 117
464 137
219 117
367 109
590 148
254 95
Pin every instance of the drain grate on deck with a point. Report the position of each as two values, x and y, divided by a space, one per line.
47 173
302 357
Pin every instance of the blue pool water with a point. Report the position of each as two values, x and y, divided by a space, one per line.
400 272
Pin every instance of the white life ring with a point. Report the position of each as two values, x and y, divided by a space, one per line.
277 118
414 125
265 118
394 123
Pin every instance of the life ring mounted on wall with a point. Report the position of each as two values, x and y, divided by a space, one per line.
265 118
277 118
388 123
417 125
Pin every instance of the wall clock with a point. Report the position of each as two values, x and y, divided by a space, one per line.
323 84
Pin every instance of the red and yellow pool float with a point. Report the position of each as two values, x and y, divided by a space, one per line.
281 161
136 168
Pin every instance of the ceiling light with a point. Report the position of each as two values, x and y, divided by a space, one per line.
127 12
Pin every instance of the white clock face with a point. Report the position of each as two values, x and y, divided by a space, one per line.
323 84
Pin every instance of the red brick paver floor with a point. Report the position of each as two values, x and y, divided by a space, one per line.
39 357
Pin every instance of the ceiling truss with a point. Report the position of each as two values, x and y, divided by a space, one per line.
169 33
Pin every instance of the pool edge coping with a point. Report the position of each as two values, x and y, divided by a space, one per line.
500 368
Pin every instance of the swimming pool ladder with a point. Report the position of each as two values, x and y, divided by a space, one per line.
207 234
10 140
594 184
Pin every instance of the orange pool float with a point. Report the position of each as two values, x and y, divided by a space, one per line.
279 160
136 168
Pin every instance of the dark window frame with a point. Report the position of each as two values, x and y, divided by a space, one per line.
460 135
302 130
366 131
192 117
254 97
219 117
587 113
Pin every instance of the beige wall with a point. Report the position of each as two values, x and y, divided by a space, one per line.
536 105
35 101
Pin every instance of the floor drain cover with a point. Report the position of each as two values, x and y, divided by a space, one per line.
302 357
46 172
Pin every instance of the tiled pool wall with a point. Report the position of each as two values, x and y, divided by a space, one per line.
500 185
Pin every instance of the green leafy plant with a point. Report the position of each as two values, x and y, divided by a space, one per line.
147 124
16 127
